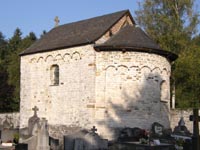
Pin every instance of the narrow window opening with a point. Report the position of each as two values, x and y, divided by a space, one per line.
164 92
54 75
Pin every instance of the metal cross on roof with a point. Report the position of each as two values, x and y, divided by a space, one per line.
35 109
93 129
56 21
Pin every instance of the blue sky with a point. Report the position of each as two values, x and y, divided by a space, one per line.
38 15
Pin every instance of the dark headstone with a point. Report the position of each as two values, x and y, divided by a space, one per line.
187 145
181 129
131 134
21 146
54 143
157 129
79 144
69 143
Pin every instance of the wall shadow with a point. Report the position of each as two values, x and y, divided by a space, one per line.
137 104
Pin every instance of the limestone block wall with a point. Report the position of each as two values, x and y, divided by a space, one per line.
12 118
63 104
132 90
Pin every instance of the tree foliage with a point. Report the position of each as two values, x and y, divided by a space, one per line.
10 68
173 25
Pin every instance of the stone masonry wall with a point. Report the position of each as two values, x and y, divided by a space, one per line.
66 103
129 90
72 103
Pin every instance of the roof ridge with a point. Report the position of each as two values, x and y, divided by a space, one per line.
76 33
86 19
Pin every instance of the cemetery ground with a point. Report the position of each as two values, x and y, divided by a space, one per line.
36 137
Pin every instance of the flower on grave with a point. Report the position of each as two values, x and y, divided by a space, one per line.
179 142
143 141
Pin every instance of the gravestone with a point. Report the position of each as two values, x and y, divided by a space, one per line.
36 135
131 134
157 129
94 142
69 142
85 140
6 123
79 144
33 122
21 146
181 129
43 136
54 143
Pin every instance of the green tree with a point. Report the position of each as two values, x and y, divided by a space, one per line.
6 93
3 47
17 45
15 41
6 90
173 24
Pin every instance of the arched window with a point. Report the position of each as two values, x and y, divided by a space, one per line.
164 91
54 75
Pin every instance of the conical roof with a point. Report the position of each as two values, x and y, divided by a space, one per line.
131 38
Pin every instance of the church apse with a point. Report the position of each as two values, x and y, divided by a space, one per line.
132 90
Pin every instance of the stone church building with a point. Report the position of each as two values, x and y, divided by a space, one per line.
104 72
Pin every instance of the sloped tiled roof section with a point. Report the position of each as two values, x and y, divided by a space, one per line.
76 34
131 38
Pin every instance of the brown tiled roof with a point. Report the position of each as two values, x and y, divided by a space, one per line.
132 38
75 34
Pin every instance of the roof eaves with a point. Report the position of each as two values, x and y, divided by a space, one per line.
54 49
169 55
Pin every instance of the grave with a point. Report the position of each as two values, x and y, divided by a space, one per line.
181 129
157 130
54 143
131 134
182 136
7 130
36 135
158 138
85 140
43 136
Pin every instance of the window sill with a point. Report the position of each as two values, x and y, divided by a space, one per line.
164 101
54 85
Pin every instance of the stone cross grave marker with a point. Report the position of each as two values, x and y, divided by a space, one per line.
56 21
35 109
195 118
33 122
94 130
191 118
